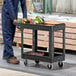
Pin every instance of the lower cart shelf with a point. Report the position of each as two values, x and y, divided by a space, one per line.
43 56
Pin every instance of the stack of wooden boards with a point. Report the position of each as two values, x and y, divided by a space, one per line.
43 36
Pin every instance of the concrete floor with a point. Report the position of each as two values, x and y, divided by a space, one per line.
6 72
69 68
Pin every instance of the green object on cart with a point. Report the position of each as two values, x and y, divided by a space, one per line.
20 21
38 20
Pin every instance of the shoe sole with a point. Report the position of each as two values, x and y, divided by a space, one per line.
12 63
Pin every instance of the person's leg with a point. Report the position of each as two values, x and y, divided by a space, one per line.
8 30
7 37
13 31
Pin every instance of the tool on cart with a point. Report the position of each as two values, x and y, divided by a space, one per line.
51 56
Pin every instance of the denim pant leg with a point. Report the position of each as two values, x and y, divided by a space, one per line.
8 30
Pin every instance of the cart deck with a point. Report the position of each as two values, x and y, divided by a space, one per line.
43 56
50 56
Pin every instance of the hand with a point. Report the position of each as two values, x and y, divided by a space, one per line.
15 20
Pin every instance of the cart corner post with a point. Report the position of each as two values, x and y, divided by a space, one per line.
22 41
64 41
51 44
34 40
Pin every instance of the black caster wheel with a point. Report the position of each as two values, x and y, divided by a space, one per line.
60 64
25 62
49 66
37 61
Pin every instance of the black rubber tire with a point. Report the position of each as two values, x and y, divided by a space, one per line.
60 64
49 66
37 61
25 62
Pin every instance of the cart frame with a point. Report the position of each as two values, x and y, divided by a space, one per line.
52 56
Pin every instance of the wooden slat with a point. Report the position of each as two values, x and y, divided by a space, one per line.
67 35
40 37
66 46
71 30
43 32
39 32
26 41
29 42
68 24
28 30
45 37
68 41
44 44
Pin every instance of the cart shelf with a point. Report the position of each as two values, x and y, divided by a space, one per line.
43 56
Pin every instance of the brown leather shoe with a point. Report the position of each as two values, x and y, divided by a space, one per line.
13 60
